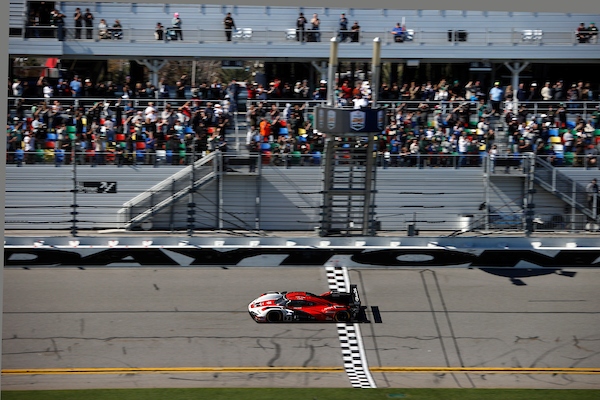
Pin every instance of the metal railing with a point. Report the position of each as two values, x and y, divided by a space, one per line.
257 34
165 193
280 159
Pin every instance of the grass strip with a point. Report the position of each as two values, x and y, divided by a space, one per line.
304 394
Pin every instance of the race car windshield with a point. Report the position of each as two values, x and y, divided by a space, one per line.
281 301
276 298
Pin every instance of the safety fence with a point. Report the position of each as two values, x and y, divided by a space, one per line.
246 193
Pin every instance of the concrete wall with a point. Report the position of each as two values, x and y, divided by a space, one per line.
40 197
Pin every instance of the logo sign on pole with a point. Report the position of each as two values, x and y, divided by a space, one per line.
357 120
381 119
97 187
331 119
349 121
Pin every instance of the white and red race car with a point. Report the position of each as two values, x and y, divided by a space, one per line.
308 307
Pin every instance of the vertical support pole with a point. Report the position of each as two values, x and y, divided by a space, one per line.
333 64
368 217
488 177
573 198
257 213
218 165
515 86
529 204
191 220
376 71
515 69
327 183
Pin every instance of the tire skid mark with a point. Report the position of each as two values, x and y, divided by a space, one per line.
443 326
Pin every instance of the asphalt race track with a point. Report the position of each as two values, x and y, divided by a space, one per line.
70 328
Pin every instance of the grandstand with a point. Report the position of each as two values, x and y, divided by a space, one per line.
463 45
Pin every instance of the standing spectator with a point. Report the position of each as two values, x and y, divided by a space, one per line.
179 90
573 96
233 91
34 23
546 92
176 24
229 26
57 19
315 22
163 89
159 31
48 90
532 96
62 89
496 94
78 18
592 193
593 33
559 91
17 88
343 27
303 90
75 85
29 147
89 23
521 93
300 26
595 118
582 33
88 88
591 158
354 36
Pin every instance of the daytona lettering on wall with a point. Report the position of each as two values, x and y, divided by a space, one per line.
405 258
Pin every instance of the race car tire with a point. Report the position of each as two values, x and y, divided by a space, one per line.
342 316
274 316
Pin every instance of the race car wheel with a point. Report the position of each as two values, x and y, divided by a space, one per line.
274 316
342 316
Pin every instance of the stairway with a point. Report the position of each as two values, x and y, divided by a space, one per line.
349 189
571 192
147 204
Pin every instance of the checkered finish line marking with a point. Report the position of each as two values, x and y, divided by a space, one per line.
353 352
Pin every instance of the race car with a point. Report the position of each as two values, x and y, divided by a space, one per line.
308 307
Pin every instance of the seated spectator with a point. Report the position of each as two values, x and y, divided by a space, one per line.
354 35
117 30
159 31
399 33
103 30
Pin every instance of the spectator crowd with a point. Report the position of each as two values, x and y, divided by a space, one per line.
138 122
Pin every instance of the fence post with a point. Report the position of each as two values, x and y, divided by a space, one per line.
191 205
74 205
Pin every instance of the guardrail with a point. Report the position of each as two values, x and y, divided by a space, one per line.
265 35
584 108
